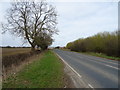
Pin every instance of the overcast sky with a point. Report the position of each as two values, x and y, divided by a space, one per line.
75 20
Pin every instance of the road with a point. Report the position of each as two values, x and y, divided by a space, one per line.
95 71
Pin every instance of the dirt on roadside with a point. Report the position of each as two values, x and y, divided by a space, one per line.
68 83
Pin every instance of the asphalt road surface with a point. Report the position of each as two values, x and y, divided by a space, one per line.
95 71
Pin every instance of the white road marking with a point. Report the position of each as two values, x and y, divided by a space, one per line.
69 66
105 64
104 61
109 62
90 86
111 66
90 60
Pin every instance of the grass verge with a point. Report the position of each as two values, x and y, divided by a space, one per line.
101 55
46 72
97 54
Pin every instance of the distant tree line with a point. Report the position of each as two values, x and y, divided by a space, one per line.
14 47
104 42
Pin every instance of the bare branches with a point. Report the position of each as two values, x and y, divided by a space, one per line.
29 19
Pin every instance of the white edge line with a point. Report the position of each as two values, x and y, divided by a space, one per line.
109 62
72 69
111 66
90 85
69 65
105 64
104 61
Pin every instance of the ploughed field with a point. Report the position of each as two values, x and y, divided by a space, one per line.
14 51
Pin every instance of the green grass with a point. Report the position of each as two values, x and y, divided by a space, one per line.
101 55
97 54
44 73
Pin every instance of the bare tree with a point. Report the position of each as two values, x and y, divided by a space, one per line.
29 19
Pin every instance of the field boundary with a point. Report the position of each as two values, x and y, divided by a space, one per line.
19 61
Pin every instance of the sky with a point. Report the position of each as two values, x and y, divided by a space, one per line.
76 19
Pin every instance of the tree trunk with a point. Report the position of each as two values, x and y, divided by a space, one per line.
32 48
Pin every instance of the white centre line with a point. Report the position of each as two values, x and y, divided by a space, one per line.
111 66
105 64
109 62
90 86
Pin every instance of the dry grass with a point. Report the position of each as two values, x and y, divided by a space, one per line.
45 72
16 68
14 51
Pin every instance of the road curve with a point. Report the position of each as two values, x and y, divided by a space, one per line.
95 71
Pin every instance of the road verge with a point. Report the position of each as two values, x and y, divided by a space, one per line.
46 72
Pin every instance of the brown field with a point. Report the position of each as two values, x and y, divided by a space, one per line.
14 51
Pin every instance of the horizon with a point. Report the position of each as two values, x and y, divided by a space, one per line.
93 18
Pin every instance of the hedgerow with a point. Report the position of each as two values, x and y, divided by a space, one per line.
105 42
